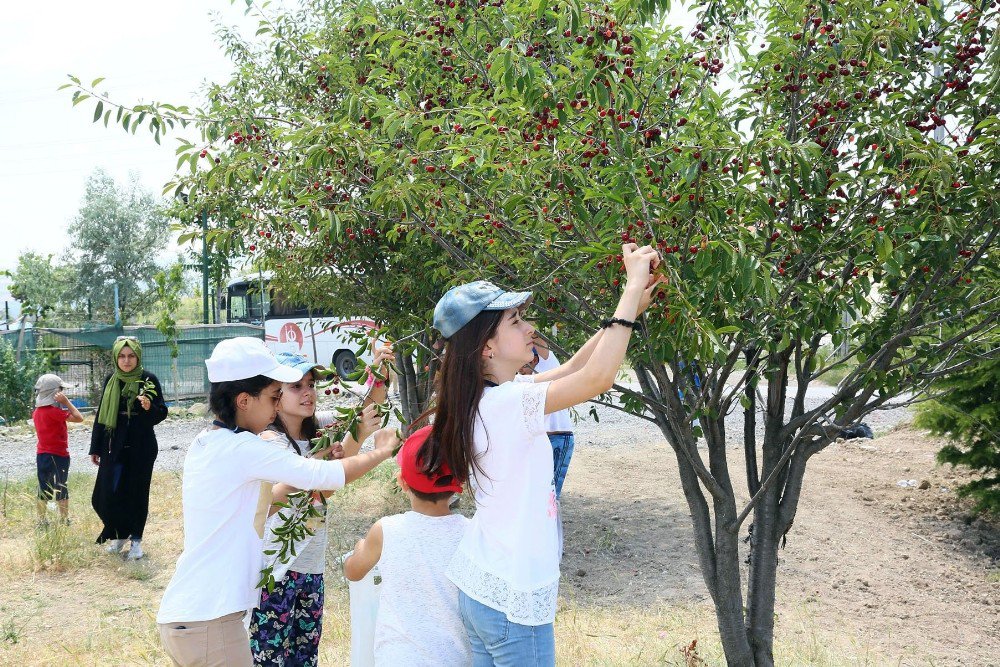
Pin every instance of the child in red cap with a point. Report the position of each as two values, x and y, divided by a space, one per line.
418 621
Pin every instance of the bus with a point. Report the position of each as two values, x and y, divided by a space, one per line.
318 335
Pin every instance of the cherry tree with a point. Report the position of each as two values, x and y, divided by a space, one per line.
819 176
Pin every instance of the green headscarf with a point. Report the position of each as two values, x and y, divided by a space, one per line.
114 390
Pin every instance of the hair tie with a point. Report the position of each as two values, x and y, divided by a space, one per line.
617 320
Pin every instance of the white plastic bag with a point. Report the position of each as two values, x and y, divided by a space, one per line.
364 608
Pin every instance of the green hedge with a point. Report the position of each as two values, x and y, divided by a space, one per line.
17 382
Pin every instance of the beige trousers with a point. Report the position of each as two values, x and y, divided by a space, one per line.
220 642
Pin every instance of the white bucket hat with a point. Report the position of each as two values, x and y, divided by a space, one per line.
244 357
47 386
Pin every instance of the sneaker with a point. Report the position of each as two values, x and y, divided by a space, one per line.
114 546
135 551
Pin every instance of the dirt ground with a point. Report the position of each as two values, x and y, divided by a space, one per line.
906 571
873 573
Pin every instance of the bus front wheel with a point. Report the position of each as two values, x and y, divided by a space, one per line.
345 363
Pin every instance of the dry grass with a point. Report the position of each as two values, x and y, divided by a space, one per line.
66 602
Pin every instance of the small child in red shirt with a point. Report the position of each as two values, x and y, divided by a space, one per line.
52 457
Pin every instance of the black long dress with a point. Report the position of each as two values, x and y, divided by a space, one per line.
121 493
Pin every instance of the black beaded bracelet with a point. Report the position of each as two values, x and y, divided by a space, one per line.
617 320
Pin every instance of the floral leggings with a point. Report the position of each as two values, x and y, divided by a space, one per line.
285 629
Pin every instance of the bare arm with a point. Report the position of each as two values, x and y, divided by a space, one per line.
367 425
380 389
574 363
74 414
598 373
356 466
377 394
583 355
366 554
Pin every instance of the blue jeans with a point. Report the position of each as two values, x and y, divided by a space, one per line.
562 452
497 642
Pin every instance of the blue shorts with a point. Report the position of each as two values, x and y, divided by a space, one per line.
53 472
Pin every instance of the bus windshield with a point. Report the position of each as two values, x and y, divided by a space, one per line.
245 303
249 304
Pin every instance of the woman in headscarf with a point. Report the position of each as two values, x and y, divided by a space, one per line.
124 447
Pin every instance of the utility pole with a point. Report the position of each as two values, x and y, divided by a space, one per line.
204 265
118 312
264 290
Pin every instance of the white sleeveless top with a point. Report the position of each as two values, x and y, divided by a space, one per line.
509 558
310 552
418 623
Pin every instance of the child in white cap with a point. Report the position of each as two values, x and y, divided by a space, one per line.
228 474
52 411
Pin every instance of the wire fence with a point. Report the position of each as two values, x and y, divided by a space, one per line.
82 357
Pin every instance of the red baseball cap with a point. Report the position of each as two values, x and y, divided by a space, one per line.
414 477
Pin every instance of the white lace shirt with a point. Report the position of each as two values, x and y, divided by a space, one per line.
509 557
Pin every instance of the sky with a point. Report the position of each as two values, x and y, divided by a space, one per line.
48 148
146 51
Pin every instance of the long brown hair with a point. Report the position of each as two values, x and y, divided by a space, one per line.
309 428
460 384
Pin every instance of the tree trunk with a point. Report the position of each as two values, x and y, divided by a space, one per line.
402 382
764 534
409 401
764 538
728 581
729 594
718 549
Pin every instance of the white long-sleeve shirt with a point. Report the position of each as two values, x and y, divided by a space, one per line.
226 496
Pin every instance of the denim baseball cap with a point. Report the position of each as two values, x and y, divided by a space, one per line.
297 361
461 304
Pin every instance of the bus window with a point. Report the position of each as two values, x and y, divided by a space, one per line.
245 303
282 307
238 308
254 307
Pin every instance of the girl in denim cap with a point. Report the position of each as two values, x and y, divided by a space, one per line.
489 427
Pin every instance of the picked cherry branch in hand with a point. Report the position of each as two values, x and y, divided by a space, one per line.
147 388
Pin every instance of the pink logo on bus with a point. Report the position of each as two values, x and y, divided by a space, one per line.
290 333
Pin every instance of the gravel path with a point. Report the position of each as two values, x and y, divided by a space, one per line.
17 445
